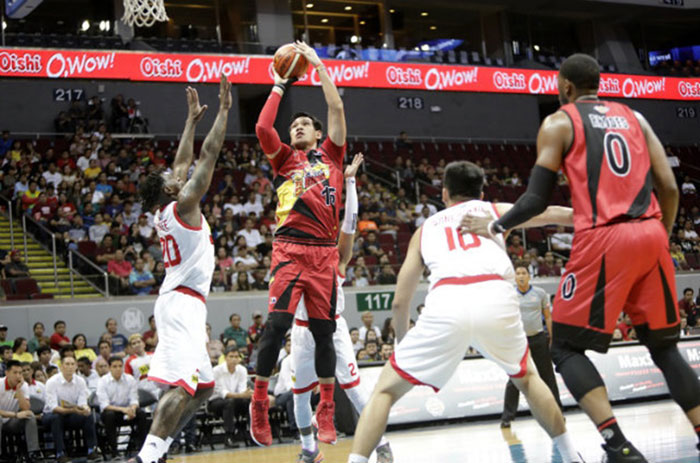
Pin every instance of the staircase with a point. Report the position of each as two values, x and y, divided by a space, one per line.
40 263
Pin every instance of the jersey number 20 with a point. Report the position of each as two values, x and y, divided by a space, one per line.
171 253
450 234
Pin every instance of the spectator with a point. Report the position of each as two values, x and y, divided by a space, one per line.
30 196
687 307
423 215
101 367
387 276
3 337
403 142
362 355
145 227
372 351
516 248
39 339
120 269
357 342
284 397
138 365
235 331
105 352
625 327
67 408
58 338
678 257
386 351
388 333
367 325
215 348
548 267
360 279
6 143
86 372
37 383
140 279
366 224
255 330
253 206
150 337
81 348
19 351
44 355
425 204
231 397
98 231
16 268
16 416
688 187
53 176
561 241
119 406
251 235
5 357
120 114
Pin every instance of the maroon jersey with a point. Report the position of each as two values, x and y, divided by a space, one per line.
309 188
608 166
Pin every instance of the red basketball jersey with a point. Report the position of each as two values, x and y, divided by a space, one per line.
608 166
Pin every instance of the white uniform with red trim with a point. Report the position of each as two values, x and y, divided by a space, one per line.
304 347
471 302
181 357
139 367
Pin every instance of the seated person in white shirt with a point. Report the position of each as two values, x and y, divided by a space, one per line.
117 395
284 397
232 395
67 408
562 241
36 389
15 414
37 386
86 372
251 235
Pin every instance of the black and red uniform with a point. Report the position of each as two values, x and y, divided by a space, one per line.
620 256
309 189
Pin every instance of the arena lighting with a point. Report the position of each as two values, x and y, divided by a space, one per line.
362 23
309 5
324 20
536 47
425 47
424 13
85 26
433 28
4 25
348 8
354 39
392 10
104 26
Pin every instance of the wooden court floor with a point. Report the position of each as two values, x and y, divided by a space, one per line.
659 429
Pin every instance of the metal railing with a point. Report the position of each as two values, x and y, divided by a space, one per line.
100 270
45 230
10 213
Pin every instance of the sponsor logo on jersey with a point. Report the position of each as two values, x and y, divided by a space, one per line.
602 109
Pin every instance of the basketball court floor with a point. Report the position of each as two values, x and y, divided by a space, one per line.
659 429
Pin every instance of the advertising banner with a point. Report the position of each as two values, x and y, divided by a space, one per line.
240 69
477 387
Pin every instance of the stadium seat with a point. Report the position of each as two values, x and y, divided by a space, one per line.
30 287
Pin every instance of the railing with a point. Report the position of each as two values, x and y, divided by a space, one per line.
41 243
82 258
9 216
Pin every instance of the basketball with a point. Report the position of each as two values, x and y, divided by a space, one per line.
288 63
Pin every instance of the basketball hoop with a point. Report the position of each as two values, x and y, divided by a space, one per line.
144 13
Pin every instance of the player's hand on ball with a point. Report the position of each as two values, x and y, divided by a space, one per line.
195 111
351 170
474 224
308 52
225 98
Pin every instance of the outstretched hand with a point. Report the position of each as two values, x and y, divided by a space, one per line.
195 111
225 98
308 53
478 225
351 170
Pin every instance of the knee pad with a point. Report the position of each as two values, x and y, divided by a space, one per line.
325 354
683 384
579 374
276 327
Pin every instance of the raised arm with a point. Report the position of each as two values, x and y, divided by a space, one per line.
406 283
270 142
195 188
553 215
664 181
337 130
185 150
347 230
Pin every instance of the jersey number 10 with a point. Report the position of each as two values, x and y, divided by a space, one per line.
168 244
450 234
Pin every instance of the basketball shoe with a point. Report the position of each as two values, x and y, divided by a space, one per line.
310 457
384 454
324 419
260 430
626 453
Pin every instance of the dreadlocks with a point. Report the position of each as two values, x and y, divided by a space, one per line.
151 189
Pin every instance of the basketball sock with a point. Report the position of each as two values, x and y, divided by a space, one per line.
302 410
153 448
358 396
327 392
566 448
260 391
168 442
308 442
612 433
355 458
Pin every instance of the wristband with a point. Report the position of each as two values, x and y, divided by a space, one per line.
285 85
494 228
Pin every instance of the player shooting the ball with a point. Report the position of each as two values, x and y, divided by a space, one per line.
309 182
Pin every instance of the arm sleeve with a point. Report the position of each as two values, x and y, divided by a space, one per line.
534 201
350 219
267 135
335 152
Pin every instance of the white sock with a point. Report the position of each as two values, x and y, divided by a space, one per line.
308 442
358 396
566 448
168 442
153 448
355 458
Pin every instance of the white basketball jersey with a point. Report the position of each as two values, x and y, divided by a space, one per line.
301 313
188 252
449 254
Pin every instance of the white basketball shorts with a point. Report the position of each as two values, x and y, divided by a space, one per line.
181 357
483 315
303 357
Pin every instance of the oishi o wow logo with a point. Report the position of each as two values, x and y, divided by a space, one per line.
403 76
155 67
21 63
509 80
689 89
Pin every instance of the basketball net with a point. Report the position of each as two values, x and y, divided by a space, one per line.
144 13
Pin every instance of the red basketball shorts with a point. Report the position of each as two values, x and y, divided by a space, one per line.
622 267
304 270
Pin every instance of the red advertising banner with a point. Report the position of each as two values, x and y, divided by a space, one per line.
163 67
